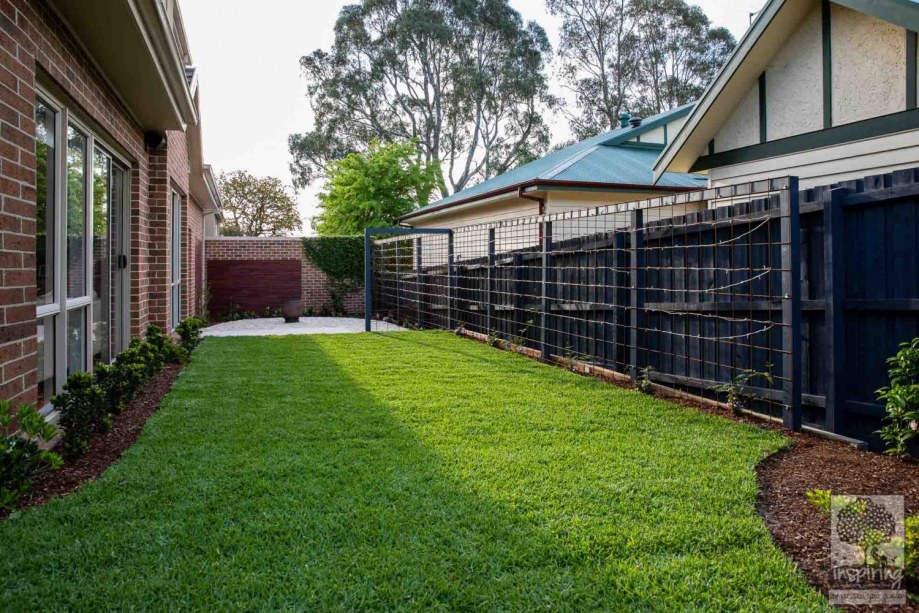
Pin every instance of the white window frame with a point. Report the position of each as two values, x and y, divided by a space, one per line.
62 306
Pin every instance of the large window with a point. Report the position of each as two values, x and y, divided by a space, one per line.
175 259
79 188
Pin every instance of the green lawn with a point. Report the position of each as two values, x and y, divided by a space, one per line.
407 471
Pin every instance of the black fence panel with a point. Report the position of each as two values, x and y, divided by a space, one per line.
691 291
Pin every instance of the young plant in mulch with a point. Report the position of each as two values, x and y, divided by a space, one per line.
21 456
901 399
89 400
643 382
735 389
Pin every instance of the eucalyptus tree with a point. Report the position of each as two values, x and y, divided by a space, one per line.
466 78
598 60
679 54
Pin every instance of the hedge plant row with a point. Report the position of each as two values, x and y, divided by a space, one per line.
87 404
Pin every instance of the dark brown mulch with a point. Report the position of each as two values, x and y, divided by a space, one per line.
800 529
106 448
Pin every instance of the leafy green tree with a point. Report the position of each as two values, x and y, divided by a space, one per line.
679 54
371 189
598 60
464 77
254 206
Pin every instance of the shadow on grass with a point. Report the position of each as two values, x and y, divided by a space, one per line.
298 472
281 484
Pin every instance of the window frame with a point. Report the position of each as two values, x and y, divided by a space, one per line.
63 308
175 260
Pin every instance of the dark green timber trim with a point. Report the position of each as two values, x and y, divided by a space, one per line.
827 65
850 132
762 108
666 138
711 147
910 70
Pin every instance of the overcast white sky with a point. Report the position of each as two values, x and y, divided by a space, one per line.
253 95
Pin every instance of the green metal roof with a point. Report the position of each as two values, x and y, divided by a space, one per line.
607 158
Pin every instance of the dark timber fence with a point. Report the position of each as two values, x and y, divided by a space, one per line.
816 287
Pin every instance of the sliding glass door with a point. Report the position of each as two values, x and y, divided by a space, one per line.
109 263
81 240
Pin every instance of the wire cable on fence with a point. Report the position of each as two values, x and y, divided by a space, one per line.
689 293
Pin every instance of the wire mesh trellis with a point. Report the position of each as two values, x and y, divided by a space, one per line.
693 291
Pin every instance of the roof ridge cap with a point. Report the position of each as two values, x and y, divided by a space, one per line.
574 159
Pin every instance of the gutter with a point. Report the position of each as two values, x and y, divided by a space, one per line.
519 187
538 199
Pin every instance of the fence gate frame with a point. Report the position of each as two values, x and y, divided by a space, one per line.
368 261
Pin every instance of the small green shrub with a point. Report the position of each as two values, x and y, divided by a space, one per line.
83 412
735 389
901 399
911 546
643 383
21 458
165 350
821 499
189 330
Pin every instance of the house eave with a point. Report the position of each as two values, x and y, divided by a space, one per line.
132 44
543 185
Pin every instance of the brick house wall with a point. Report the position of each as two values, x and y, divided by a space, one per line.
313 282
37 48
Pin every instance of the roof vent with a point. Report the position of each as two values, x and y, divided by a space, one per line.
624 120
635 122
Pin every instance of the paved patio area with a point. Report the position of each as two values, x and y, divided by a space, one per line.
275 326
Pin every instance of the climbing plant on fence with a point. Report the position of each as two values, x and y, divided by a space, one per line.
341 258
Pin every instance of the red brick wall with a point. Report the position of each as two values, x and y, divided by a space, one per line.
32 38
36 48
313 282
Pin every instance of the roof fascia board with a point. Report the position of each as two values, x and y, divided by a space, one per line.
164 49
901 12
721 80
541 185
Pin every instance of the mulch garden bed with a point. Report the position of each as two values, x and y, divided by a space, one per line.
798 527
105 448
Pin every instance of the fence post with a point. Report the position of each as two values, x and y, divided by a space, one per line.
398 282
450 280
833 262
546 291
637 283
368 278
790 227
489 291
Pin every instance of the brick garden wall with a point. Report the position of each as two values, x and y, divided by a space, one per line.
250 252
